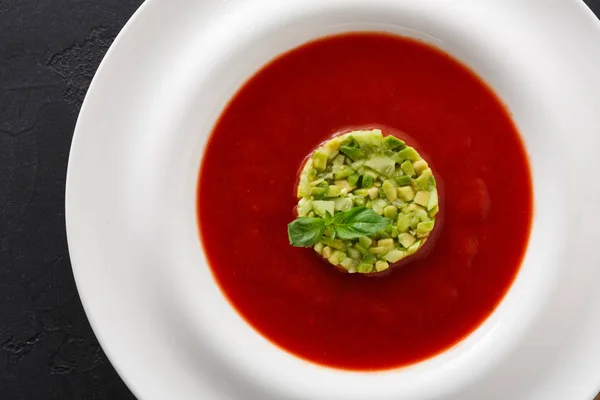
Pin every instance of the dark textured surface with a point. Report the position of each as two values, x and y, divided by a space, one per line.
49 51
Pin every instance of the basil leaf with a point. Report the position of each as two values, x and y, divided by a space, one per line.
328 217
351 224
305 231
357 222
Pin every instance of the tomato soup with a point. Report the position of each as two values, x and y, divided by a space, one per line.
246 199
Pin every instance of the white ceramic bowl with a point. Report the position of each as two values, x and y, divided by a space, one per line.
131 199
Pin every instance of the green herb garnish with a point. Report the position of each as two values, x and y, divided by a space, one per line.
306 231
351 224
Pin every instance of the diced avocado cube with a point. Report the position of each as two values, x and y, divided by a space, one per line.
398 204
394 256
348 140
357 165
304 206
364 268
407 153
379 251
390 212
333 191
369 258
389 153
321 207
406 193
354 253
321 178
327 251
406 240
330 153
373 192
422 198
387 243
319 160
420 166
388 231
379 205
303 189
411 208
340 255
381 235
408 168
433 199
403 223
319 247
421 214
372 173
360 200
426 181
381 164
344 185
342 171
403 180
389 189
333 260
334 143
414 247
348 263
363 250
343 204
381 266
304 184
338 160
433 212
334 243
353 180
332 147
353 152
318 192
365 241
424 228
414 221
369 141
392 143
303 201
367 181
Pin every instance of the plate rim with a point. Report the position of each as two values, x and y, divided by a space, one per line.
144 9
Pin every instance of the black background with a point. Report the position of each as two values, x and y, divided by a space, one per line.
49 51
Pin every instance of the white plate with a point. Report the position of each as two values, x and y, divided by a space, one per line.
131 187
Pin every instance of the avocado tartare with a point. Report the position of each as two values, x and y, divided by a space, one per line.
365 201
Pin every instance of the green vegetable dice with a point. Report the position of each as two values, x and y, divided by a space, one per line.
365 201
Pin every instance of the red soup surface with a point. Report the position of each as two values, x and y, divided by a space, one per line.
246 199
